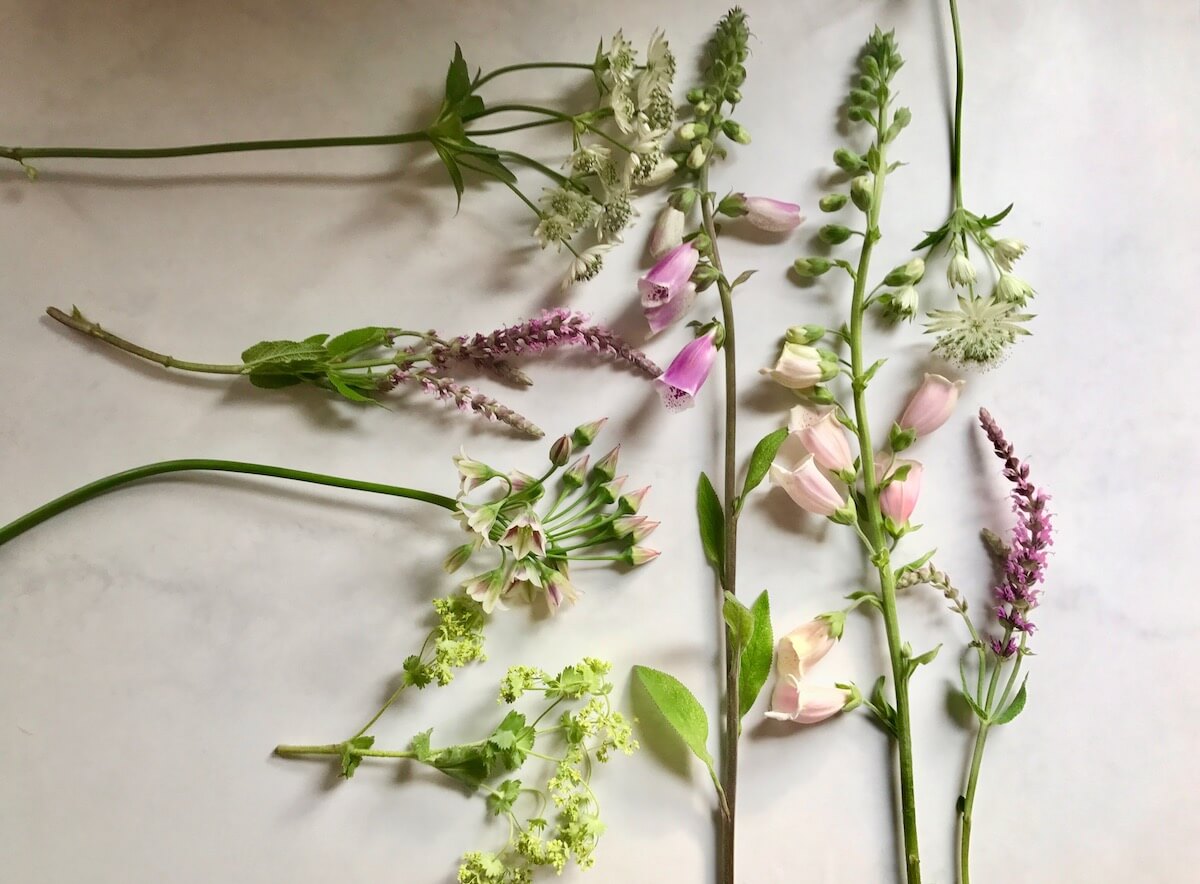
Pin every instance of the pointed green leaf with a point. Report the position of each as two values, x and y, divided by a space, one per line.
739 620
356 339
350 759
993 220
680 709
458 78
760 461
270 381
447 158
1014 708
967 695
712 524
339 383
278 353
757 655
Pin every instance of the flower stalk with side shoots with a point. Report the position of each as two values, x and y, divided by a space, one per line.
365 363
686 241
616 145
586 730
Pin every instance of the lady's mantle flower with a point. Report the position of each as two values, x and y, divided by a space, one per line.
978 332
688 371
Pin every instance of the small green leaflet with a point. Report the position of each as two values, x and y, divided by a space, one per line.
757 655
458 78
345 384
283 353
350 758
712 524
760 462
1014 708
739 620
504 796
350 342
681 710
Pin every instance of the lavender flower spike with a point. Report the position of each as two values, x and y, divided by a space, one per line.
1024 566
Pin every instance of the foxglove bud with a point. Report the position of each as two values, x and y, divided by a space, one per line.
696 157
668 231
804 334
849 161
803 648
861 192
772 215
898 498
832 202
834 234
695 96
808 267
798 367
661 173
808 487
823 437
560 451
906 274
735 132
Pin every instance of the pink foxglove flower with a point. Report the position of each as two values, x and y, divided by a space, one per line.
776 216
809 487
803 647
687 372
798 368
669 276
823 437
668 231
803 703
898 498
671 311
931 406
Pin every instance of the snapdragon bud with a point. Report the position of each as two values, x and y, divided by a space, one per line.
560 451
805 334
906 274
861 192
832 202
834 234
811 266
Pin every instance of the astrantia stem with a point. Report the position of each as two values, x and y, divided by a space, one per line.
956 147
108 483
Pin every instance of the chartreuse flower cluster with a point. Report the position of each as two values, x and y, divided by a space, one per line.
616 144
550 824
363 364
589 518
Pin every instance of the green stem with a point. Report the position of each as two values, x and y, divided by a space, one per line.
21 154
530 66
873 523
728 581
964 832
108 483
956 147
284 751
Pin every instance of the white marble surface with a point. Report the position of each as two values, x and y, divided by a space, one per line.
156 644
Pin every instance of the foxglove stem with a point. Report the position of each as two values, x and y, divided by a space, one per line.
108 483
873 523
728 582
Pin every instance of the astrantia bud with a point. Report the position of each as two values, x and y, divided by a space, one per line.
804 334
668 231
901 304
1012 289
931 406
811 266
906 274
861 192
560 451
960 272
832 202
606 467
585 434
773 215
1006 251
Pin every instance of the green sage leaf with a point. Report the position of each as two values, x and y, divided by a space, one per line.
1014 708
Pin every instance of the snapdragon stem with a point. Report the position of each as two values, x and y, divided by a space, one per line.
873 521
728 579
116 480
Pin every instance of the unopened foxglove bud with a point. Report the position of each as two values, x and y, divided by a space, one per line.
814 266
560 451
735 132
683 199
661 173
832 202
733 95
695 96
696 157
834 234
804 334
861 192
906 274
849 161
776 216
668 231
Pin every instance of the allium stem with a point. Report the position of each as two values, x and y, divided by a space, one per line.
873 524
108 483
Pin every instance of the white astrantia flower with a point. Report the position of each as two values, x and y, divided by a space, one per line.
1006 251
553 229
586 264
591 159
978 332
571 205
1011 289
621 58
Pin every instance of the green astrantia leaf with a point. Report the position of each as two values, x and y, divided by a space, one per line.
742 277
993 220
739 620
681 710
932 238
712 524
757 655
451 164
761 460
355 340
1014 708
350 758
458 78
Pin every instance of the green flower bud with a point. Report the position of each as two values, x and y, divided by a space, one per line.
849 161
736 132
704 107
585 434
560 451
832 202
836 621
733 205
733 95
821 395
861 192
834 234
906 274
900 438
804 334
575 474
683 200
695 96
697 157
458 557
606 467
811 266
